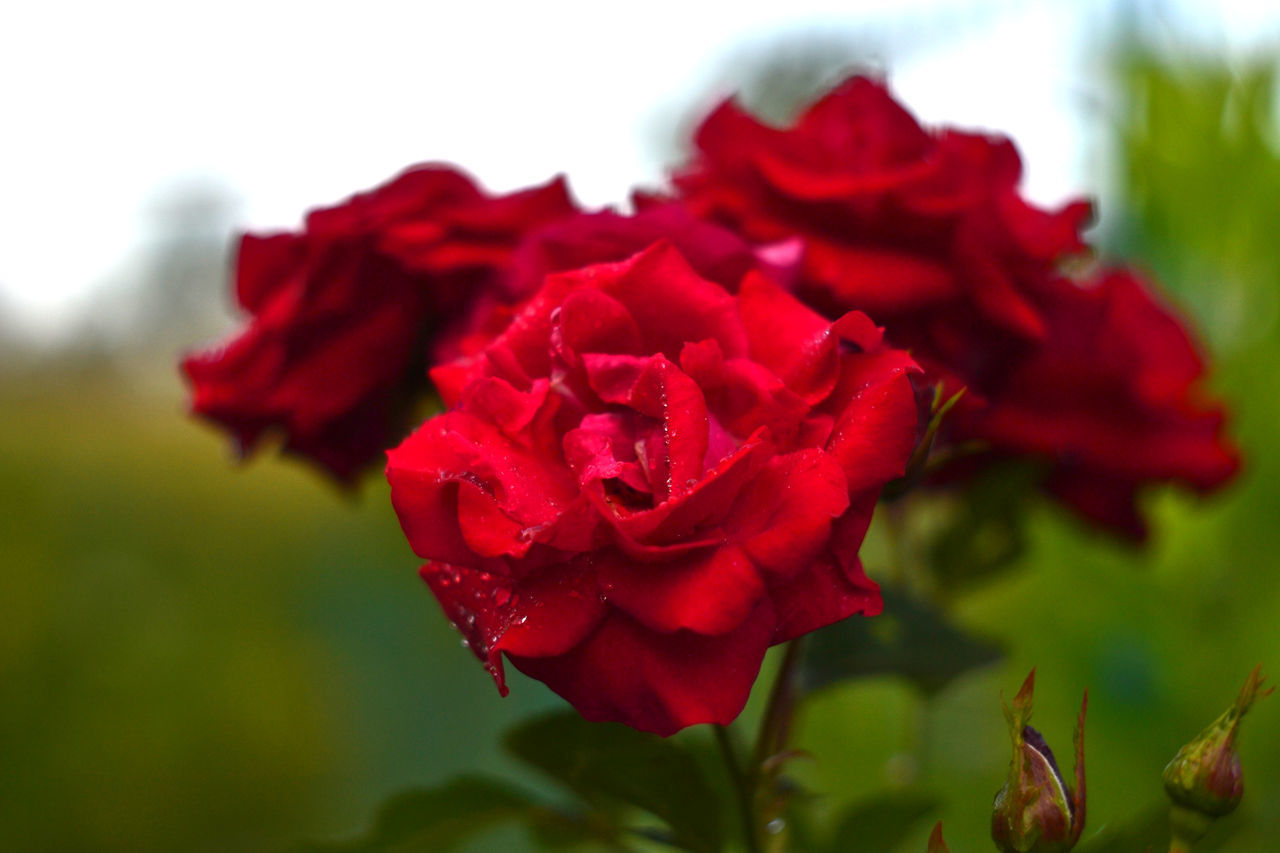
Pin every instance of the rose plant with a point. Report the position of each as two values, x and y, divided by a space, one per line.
662 435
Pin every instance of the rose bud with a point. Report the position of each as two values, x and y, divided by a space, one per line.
1204 779
1035 811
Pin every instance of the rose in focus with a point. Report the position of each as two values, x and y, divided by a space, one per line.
649 478
344 315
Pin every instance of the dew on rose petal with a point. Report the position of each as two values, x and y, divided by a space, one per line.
692 481
501 595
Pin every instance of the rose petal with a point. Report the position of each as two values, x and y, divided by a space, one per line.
264 264
783 519
677 519
658 682
552 611
820 596
468 598
741 396
788 338
547 613
657 388
875 433
671 303
592 321
710 592
506 484
882 281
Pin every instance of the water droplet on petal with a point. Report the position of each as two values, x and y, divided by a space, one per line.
501 596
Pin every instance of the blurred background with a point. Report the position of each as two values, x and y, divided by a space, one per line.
196 655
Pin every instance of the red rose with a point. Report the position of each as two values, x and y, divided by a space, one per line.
342 314
648 479
904 223
715 253
1110 399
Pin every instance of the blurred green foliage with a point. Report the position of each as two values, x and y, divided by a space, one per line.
198 656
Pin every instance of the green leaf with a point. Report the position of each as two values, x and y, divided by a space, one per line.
911 639
918 464
440 819
986 535
882 822
614 762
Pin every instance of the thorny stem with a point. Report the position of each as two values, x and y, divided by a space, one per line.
742 786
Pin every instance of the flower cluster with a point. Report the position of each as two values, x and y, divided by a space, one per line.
664 433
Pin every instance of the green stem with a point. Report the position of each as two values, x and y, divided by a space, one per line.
654 836
895 528
744 788
776 724
1187 826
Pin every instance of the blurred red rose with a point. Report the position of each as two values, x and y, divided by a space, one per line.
647 479
925 231
906 224
343 313
1110 399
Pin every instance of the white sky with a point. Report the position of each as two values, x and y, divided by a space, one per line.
294 104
